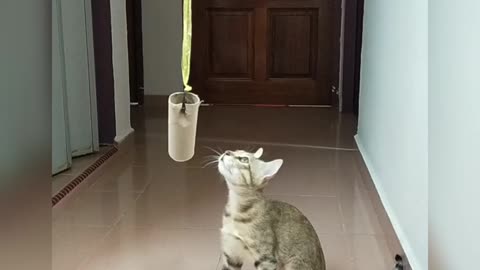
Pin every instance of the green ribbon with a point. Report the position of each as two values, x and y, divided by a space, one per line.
187 43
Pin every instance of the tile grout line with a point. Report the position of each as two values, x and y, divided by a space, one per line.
110 230
278 144
203 139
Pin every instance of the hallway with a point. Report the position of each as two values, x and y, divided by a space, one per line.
141 210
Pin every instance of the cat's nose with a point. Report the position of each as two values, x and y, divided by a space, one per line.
228 153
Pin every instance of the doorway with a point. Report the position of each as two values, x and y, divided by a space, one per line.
352 51
265 52
135 50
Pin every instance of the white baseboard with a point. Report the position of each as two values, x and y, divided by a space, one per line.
121 137
407 248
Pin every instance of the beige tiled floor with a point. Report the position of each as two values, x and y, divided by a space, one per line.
144 211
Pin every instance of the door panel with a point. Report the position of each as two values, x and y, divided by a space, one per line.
79 70
231 30
293 53
263 51
61 154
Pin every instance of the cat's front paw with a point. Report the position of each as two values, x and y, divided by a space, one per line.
266 263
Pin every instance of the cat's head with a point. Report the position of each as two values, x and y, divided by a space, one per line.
246 170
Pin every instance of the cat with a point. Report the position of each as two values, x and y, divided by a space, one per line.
275 234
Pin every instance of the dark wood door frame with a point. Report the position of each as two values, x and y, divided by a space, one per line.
352 50
336 37
135 50
102 39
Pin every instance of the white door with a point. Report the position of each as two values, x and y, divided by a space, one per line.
80 75
61 153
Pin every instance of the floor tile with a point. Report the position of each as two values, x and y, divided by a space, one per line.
153 249
370 252
303 182
123 179
296 126
71 245
358 212
97 208
191 198
338 255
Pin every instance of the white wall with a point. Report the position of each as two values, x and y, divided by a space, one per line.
25 134
162 46
120 69
393 117
454 122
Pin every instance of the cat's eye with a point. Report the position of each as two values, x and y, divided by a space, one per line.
243 159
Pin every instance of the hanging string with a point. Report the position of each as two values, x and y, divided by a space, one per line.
186 49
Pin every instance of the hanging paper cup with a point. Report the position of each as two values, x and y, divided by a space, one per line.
182 125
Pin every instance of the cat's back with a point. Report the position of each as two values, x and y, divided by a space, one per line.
295 235
288 216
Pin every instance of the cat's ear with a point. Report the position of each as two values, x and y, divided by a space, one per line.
259 153
270 169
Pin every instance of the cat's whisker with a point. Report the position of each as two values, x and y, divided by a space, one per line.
212 157
220 149
213 150
210 163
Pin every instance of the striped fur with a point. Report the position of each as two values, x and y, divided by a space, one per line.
274 234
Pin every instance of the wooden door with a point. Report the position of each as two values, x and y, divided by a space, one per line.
265 51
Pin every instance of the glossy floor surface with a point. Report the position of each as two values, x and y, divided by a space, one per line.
143 211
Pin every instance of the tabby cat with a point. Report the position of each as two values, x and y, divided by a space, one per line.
274 234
